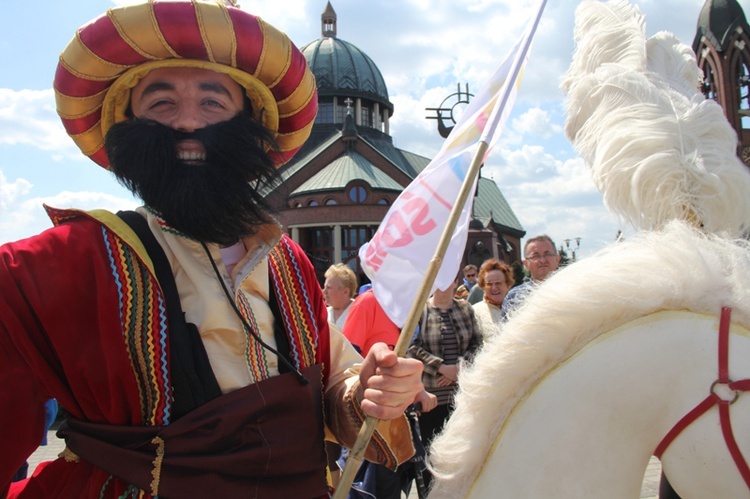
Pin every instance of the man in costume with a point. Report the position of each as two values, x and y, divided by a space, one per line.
188 344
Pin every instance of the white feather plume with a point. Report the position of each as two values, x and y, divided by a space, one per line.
657 149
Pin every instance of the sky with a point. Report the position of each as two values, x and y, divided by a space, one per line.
423 48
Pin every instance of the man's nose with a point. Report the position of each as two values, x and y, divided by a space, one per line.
188 119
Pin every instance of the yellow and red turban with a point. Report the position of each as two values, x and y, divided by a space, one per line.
109 56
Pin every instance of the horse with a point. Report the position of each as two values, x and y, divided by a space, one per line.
602 361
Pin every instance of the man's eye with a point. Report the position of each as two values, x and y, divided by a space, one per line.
159 103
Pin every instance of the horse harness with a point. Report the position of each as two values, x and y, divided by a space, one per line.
728 387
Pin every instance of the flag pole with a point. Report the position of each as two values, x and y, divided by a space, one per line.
354 460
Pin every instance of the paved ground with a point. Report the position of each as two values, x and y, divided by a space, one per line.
47 452
650 489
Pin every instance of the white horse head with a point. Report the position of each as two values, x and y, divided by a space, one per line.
509 436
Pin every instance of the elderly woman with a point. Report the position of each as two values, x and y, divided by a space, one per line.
495 278
338 292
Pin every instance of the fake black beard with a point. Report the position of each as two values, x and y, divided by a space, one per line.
216 202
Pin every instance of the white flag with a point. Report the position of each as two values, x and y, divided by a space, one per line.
397 257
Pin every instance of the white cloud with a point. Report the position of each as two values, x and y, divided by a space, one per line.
29 117
21 216
11 191
536 121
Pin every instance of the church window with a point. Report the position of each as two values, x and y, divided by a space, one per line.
340 113
366 116
743 87
357 194
709 84
353 237
325 113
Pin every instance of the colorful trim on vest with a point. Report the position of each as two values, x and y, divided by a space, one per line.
143 316
383 452
58 216
255 354
294 304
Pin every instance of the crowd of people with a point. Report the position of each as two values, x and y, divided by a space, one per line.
453 326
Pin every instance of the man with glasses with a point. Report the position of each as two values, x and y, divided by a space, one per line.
469 281
540 259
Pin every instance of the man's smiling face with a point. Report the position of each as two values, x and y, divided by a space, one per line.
187 99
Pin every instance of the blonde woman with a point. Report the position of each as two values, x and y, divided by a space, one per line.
338 292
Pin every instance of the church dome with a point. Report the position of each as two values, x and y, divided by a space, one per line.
344 76
342 69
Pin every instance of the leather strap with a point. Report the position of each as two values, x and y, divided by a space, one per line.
192 378
714 399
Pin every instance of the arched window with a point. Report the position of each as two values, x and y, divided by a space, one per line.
312 203
708 86
742 70
330 202
383 201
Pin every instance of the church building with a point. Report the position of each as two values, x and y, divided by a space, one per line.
722 47
338 188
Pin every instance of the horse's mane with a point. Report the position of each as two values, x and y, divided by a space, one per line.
679 268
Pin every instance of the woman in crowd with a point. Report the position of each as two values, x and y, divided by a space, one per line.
338 292
449 335
495 278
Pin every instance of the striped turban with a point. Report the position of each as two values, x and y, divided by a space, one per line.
110 55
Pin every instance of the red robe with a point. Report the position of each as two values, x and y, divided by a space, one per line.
82 320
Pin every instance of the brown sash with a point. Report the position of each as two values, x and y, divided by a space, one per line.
263 440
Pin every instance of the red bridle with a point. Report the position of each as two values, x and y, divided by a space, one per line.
715 399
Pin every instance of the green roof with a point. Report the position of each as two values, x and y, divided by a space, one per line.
344 169
491 205
409 163
416 161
